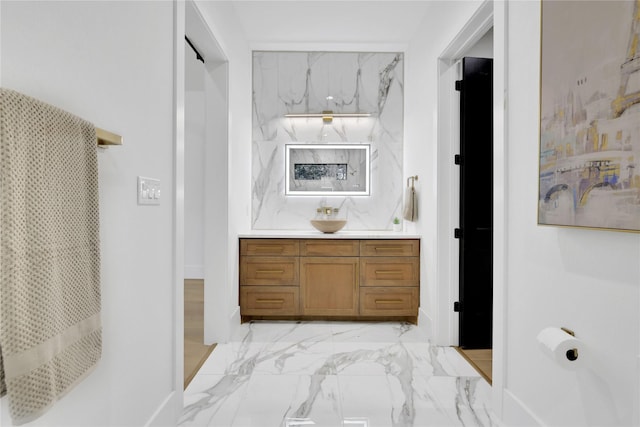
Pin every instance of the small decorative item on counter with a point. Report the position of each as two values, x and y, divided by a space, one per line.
397 226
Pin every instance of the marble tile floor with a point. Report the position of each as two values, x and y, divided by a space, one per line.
333 374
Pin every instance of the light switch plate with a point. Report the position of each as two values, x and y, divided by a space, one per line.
148 191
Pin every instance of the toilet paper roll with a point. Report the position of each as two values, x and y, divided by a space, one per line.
565 349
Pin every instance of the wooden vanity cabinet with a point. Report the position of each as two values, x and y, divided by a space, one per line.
269 277
329 278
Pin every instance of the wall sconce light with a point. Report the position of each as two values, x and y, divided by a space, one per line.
327 115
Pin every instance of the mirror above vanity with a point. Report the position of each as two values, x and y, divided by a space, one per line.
327 169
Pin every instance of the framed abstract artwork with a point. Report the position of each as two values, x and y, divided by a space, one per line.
589 174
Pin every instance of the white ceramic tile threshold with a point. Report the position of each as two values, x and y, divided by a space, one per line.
349 374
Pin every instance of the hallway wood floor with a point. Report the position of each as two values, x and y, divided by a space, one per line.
481 360
195 352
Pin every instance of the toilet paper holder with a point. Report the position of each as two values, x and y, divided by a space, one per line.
562 346
569 331
572 354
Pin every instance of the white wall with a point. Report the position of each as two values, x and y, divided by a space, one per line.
582 279
111 63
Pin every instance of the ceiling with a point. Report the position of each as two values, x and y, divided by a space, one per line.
330 21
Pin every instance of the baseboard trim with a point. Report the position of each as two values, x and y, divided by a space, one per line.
636 419
167 413
425 322
516 413
234 321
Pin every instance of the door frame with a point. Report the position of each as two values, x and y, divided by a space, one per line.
179 76
216 188
489 14
449 70
189 21
217 292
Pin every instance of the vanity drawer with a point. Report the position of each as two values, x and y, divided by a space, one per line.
390 271
389 248
269 270
322 247
389 301
269 247
269 300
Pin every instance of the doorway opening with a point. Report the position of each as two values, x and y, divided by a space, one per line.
489 15
195 350
475 231
205 194
474 40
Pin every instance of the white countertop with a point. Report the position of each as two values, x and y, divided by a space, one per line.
314 234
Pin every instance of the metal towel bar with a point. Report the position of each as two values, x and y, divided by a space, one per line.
106 138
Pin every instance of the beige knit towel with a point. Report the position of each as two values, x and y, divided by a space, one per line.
411 204
50 331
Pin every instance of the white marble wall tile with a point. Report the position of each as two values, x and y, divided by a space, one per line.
297 82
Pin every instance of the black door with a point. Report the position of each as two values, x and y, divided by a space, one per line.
476 202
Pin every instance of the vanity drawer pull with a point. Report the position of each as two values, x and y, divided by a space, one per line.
389 248
389 301
388 271
265 300
269 271
269 248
